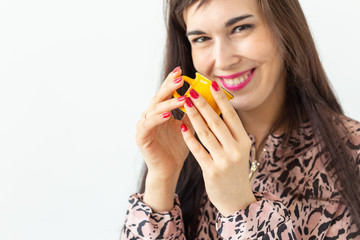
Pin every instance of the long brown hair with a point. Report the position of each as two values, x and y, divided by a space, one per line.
308 93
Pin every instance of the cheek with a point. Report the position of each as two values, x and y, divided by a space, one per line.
262 50
259 46
258 50
201 60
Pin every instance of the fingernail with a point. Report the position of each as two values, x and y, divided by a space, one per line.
215 86
176 69
189 103
183 128
194 94
166 115
182 98
177 80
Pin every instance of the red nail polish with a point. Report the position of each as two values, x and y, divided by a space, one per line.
177 80
182 98
166 115
189 103
183 128
215 86
194 94
176 69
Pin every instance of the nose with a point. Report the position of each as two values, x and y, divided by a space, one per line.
225 54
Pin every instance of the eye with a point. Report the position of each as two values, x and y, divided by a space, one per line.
200 39
242 28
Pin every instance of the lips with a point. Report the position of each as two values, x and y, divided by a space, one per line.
237 81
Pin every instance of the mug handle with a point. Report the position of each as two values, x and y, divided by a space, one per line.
186 79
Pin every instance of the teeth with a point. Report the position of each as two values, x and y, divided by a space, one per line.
238 80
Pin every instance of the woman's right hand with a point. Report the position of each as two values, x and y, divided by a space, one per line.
162 145
159 135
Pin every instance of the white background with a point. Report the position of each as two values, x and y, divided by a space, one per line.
75 76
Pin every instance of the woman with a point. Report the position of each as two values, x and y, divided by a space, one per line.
284 121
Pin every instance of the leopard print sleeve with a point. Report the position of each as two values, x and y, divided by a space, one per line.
267 218
142 223
341 225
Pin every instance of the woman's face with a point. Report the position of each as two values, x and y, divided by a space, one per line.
232 45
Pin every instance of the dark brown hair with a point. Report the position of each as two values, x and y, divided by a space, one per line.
308 94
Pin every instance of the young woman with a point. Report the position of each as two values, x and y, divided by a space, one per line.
281 162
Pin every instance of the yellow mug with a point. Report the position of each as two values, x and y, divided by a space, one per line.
202 85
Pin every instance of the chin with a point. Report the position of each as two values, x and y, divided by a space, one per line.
240 105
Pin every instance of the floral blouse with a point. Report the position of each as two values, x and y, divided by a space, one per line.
297 199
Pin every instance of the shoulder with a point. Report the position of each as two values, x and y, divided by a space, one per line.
352 126
351 137
351 131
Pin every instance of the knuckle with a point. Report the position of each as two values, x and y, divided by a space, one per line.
212 174
237 156
202 103
225 166
215 123
204 134
230 112
155 109
197 149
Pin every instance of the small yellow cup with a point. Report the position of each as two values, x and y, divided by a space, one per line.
202 85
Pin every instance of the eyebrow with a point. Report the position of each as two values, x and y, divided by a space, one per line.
230 22
196 32
234 20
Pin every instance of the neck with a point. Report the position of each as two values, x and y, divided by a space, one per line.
260 121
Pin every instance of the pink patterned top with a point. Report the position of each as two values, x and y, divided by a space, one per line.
297 199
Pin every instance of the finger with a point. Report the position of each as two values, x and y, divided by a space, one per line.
148 123
230 116
187 122
166 106
213 120
201 155
172 82
201 128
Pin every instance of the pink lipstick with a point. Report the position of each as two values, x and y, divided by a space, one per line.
237 81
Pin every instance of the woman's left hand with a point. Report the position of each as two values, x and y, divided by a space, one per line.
226 166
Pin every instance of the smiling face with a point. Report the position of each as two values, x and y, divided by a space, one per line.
232 45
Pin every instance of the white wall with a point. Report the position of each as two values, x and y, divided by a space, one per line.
74 75
335 28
